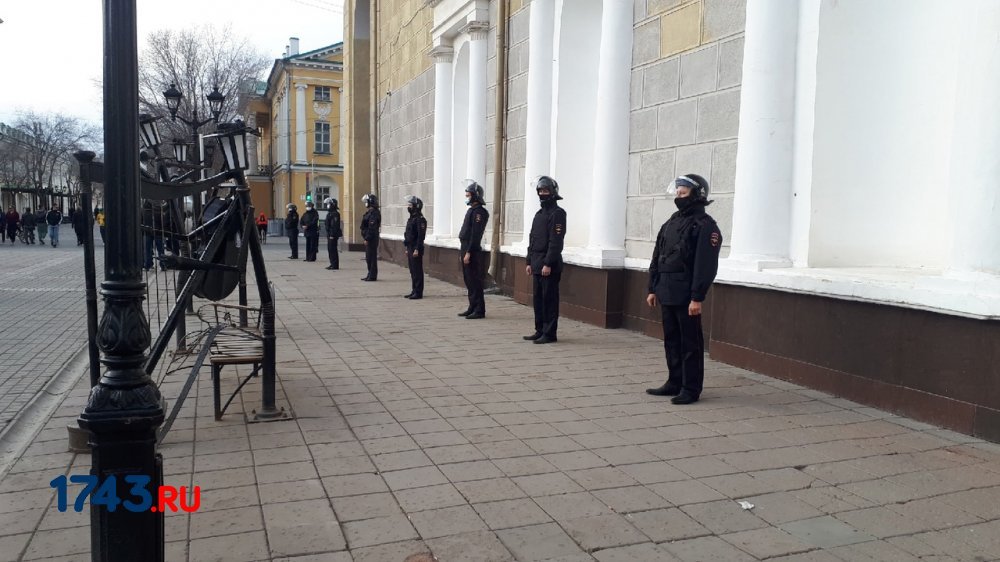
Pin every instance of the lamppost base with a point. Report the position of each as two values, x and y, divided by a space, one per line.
79 439
269 415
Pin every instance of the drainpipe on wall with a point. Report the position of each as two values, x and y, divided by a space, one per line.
499 147
375 113
288 131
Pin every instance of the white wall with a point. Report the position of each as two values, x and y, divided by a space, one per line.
573 112
883 119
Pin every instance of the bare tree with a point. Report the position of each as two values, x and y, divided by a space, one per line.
41 156
196 60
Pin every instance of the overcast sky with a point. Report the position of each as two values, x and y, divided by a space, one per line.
50 51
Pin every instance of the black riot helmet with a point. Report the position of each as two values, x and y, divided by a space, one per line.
476 191
697 184
291 207
549 183
370 201
415 202
330 203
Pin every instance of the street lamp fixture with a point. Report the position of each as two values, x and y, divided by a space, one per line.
215 101
232 139
180 150
209 155
173 96
148 130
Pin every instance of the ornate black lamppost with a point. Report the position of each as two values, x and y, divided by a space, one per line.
215 101
125 409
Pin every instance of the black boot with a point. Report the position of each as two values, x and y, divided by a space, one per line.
684 398
665 390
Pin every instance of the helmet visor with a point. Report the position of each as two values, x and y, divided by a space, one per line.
685 182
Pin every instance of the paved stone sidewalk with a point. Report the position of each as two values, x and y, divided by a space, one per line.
42 322
417 431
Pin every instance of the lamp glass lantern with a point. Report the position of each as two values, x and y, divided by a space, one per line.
209 154
180 150
173 97
233 142
215 101
148 130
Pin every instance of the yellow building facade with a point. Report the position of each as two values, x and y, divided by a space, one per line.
299 112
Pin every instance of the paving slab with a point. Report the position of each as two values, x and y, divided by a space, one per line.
405 445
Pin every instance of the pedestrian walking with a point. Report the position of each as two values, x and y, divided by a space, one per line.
292 230
545 264
3 227
413 244
681 271
262 228
99 219
471 239
371 225
310 228
28 224
13 223
41 226
80 226
334 231
54 218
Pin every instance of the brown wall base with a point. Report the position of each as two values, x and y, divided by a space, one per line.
936 368
933 367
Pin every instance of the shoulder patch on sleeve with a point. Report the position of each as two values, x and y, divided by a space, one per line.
715 239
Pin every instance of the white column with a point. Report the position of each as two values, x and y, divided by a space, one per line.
606 244
538 139
342 127
300 123
763 198
475 167
974 193
443 56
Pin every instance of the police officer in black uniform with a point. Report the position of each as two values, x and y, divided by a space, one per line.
334 230
545 265
413 242
292 230
685 261
371 224
310 228
471 237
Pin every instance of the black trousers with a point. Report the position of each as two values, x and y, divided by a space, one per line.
684 346
472 273
293 243
331 248
416 273
312 246
546 301
371 258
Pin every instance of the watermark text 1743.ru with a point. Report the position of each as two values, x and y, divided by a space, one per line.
135 494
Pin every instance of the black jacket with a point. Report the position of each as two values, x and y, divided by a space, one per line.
28 220
685 258
292 223
546 239
473 228
310 222
53 217
416 230
371 223
333 226
80 221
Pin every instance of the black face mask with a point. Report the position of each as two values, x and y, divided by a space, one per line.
412 210
684 203
546 198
